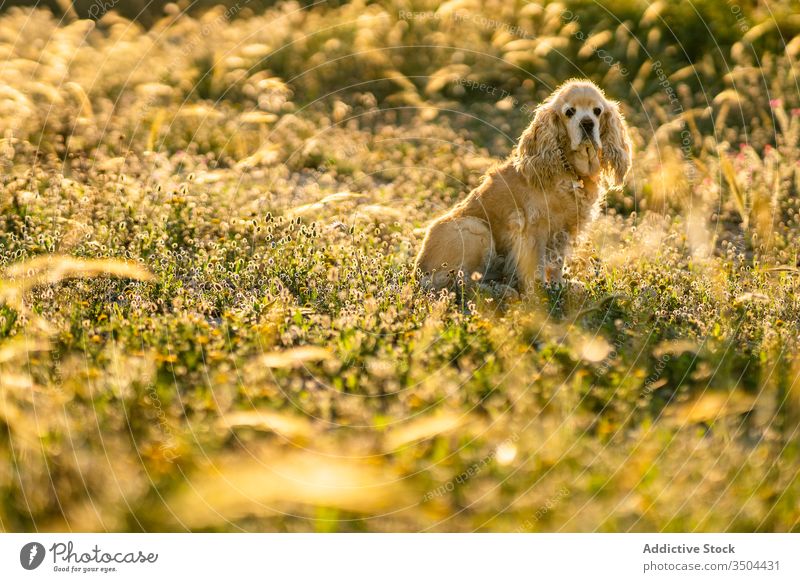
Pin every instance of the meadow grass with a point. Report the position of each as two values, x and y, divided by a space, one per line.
209 320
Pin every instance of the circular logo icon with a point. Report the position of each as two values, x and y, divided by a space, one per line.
31 555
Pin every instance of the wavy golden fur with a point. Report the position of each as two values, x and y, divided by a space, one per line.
518 224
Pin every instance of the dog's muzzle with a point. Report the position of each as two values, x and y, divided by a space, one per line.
587 128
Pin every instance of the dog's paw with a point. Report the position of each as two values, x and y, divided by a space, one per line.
576 286
509 293
501 291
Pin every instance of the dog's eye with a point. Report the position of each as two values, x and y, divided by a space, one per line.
570 111
597 111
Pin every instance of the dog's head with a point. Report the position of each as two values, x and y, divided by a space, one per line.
575 113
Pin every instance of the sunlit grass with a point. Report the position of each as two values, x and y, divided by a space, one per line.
208 318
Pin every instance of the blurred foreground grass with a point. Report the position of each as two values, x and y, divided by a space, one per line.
208 319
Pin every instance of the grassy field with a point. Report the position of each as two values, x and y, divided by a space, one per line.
208 318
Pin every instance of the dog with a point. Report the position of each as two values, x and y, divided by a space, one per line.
517 225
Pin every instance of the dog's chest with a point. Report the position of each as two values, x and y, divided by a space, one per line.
567 207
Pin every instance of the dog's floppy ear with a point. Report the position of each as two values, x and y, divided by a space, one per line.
540 154
616 144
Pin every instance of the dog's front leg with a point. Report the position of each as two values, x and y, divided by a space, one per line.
556 255
529 262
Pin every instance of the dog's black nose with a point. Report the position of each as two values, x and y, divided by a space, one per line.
587 124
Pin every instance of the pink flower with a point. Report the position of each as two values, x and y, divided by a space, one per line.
775 103
795 111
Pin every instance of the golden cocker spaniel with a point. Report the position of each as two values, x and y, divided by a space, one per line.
518 223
